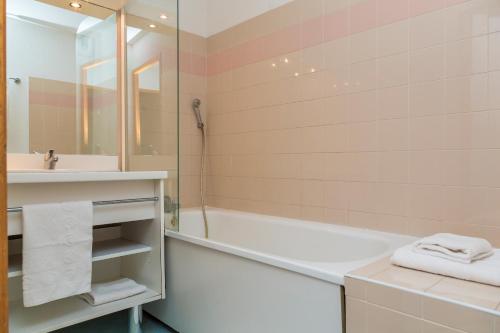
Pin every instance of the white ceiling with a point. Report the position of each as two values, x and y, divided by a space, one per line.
201 17
209 17
38 11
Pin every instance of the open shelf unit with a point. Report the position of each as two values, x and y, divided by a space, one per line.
128 243
103 250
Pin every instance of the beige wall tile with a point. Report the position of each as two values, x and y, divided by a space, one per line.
381 320
427 98
356 320
457 316
467 93
392 39
494 86
467 292
363 106
426 202
363 136
467 19
392 128
467 56
393 102
394 166
427 64
407 278
393 134
355 288
363 46
363 76
428 327
392 70
427 30
393 298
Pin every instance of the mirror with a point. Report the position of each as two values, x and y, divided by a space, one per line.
147 101
62 70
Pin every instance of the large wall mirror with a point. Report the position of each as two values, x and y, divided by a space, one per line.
62 70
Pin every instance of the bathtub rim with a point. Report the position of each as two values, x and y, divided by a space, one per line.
295 265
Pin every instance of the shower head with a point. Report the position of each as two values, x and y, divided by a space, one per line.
196 108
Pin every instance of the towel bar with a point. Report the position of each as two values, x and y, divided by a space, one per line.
98 203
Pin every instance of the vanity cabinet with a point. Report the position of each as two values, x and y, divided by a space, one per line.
128 240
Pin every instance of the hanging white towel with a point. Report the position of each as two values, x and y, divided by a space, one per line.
454 247
106 292
486 270
57 251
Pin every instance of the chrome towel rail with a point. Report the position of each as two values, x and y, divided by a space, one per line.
99 203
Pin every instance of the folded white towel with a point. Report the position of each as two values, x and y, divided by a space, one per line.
57 251
454 247
483 271
112 291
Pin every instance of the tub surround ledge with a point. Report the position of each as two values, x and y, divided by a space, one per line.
381 294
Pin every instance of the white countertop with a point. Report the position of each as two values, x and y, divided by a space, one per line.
81 176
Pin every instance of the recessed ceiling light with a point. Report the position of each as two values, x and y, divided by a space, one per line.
163 16
75 4
273 64
152 25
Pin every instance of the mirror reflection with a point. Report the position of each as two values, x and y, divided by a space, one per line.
147 104
62 90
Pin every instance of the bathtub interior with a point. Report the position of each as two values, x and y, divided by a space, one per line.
287 238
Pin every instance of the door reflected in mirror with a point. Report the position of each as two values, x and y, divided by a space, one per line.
147 105
62 93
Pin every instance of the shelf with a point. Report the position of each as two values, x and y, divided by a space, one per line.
102 250
15 265
115 248
67 312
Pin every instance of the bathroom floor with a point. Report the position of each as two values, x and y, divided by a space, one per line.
116 323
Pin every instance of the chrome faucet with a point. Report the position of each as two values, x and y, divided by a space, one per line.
50 159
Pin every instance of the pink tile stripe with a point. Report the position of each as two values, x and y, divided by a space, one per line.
362 16
390 11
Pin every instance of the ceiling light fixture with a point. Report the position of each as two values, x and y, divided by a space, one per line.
152 25
75 4
163 16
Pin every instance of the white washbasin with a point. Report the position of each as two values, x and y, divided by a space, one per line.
45 170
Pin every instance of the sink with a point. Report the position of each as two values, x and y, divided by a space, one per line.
44 170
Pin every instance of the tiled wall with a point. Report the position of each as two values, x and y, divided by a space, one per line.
193 84
382 114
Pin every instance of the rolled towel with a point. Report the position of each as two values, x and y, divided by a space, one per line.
482 271
102 293
454 247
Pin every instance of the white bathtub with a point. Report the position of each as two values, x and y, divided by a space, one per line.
259 273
